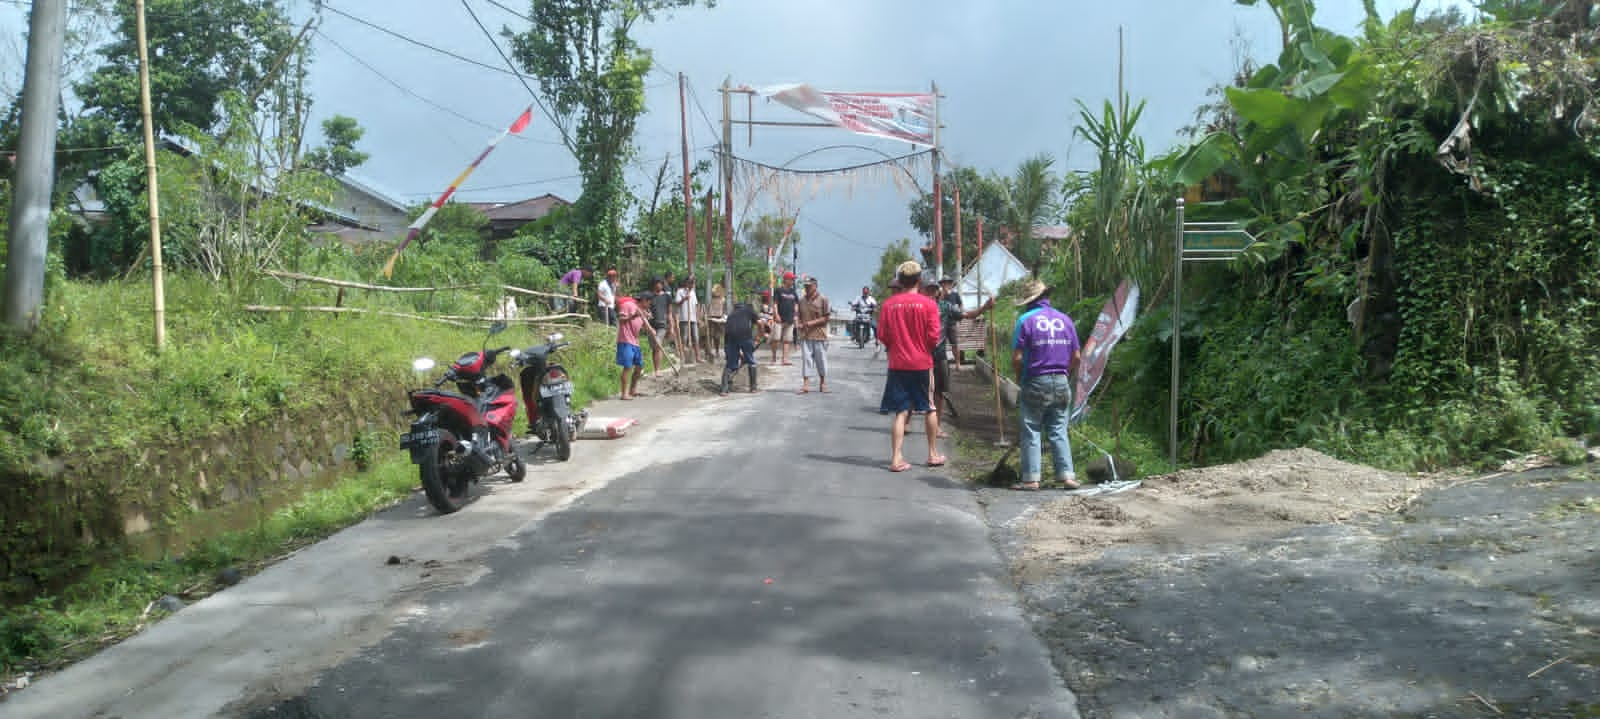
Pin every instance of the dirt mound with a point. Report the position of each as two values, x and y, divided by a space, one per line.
1189 509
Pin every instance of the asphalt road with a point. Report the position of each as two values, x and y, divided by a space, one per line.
759 562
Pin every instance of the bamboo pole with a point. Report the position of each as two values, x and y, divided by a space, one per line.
383 288
457 320
156 279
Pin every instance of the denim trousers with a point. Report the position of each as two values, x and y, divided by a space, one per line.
1045 403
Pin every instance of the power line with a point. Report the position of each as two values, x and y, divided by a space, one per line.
424 100
514 13
571 146
841 235
424 45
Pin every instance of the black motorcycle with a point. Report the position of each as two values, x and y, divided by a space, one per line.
861 329
547 394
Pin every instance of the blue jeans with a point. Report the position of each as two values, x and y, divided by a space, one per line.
1045 403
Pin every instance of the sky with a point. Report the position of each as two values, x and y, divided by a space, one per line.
1009 72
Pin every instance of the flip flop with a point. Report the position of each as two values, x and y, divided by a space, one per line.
937 460
1026 486
803 391
825 390
901 467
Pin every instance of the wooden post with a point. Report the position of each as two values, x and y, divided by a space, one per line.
727 185
150 179
955 349
688 197
938 193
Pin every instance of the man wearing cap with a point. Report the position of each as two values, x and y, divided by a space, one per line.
815 313
606 294
1045 355
787 301
908 325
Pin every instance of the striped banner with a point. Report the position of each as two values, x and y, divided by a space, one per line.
416 226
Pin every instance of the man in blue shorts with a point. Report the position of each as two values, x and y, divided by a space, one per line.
630 320
908 326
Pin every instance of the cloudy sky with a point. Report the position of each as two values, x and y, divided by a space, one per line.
1010 72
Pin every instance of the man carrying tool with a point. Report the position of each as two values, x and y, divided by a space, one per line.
1045 355
739 345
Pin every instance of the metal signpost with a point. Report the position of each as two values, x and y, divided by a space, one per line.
1196 242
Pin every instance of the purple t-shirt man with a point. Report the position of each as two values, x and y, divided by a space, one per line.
571 279
1047 340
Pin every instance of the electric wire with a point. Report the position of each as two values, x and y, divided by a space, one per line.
421 98
571 146
421 44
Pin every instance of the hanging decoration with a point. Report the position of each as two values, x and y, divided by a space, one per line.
416 226
794 187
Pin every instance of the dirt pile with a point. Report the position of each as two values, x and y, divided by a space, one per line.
1191 508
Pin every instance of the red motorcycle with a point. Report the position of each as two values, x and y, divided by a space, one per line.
460 437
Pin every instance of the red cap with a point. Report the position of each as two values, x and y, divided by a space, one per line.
788 275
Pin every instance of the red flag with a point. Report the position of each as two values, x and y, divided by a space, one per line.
522 122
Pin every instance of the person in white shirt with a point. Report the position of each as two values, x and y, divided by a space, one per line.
688 304
607 294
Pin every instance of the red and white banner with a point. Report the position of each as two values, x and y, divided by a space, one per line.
1115 319
907 117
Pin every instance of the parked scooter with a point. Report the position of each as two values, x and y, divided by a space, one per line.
460 437
547 394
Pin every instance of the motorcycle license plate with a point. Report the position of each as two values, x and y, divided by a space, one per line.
559 388
417 439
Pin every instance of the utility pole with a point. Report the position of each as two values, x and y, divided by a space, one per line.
727 185
150 179
688 197
938 193
29 230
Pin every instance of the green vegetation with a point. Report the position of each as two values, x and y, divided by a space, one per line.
1425 290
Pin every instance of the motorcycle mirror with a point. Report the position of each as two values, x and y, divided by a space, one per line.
422 364
554 337
496 328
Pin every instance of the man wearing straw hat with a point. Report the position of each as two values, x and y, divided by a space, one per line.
908 326
1045 356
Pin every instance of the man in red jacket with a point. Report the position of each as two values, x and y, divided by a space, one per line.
908 325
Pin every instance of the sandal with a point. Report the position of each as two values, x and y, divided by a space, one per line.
901 467
1070 484
937 460
1026 486
803 390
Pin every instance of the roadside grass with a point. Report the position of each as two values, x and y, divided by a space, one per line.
118 596
223 369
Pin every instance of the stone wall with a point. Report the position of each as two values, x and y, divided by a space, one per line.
169 494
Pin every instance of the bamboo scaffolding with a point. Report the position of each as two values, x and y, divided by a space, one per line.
383 288
457 320
354 310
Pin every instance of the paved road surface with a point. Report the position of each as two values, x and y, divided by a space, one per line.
776 571
646 596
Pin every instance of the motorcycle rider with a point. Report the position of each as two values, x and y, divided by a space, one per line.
865 307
